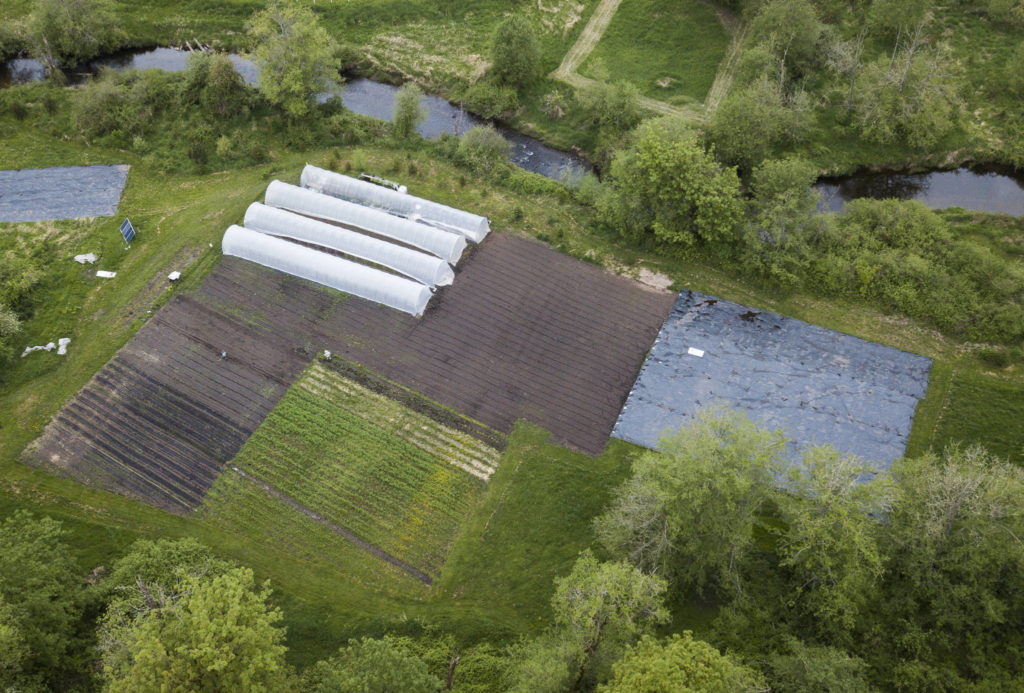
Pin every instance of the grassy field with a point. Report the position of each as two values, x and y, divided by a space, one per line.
669 50
969 406
525 526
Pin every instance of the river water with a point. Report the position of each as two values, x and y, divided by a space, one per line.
362 96
986 190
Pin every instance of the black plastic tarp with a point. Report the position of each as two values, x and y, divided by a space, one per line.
65 192
818 385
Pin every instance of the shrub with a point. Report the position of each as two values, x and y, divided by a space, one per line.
483 147
408 111
490 100
515 55
96 108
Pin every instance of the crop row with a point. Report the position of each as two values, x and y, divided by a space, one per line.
341 451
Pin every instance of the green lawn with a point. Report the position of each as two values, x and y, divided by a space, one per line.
530 520
668 49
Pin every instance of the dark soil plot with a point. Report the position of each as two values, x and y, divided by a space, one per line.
524 332
162 418
818 385
64 192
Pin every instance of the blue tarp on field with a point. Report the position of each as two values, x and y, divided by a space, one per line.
818 385
65 192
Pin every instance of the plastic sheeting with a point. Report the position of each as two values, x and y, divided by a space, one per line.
817 385
349 277
431 270
447 246
472 226
67 192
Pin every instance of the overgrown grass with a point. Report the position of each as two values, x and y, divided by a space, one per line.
669 49
967 407
530 526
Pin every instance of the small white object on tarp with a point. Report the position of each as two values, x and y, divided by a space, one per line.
105 274
62 349
87 258
174 276
695 352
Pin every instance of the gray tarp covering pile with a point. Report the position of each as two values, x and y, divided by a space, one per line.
66 192
818 385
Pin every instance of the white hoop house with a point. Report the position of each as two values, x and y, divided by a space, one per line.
472 226
316 266
444 244
430 270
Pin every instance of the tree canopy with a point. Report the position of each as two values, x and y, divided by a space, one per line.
671 187
515 55
217 633
297 56
41 603
679 664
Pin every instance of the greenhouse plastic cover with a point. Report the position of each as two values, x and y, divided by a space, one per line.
430 270
316 266
444 244
472 226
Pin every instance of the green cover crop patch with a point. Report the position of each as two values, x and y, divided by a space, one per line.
393 481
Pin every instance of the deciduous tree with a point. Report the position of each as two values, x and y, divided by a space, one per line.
218 633
408 110
829 544
680 664
599 608
67 32
373 665
40 603
515 55
689 510
297 57
673 189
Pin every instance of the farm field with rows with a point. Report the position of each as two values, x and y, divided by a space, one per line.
374 469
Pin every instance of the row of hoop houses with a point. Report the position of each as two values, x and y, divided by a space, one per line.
395 248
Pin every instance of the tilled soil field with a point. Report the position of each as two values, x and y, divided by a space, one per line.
524 332
162 418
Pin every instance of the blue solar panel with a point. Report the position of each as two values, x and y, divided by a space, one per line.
127 230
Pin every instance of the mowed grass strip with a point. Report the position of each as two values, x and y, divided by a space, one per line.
395 478
964 407
239 506
669 49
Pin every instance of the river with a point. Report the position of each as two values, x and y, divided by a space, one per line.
986 190
362 96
